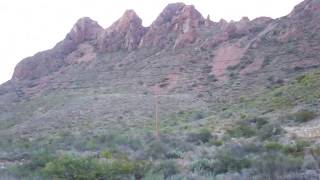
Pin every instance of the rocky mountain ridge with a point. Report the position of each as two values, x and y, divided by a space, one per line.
196 62
176 27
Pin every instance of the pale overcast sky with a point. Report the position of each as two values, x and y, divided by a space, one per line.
30 26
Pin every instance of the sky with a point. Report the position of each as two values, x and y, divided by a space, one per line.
28 27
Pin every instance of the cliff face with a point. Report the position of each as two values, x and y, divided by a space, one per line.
44 63
178 26
126 33
180 53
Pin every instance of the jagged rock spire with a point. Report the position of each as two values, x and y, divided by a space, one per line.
178 20
85 29
125 33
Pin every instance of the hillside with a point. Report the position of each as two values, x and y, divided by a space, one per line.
235 100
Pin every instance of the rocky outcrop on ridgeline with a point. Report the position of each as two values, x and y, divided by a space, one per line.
46 62
176 26
125 33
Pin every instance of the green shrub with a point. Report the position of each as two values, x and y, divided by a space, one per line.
228 162
260 122
106 154
174 154
70 167
204 167
303 116
270 131
273 146
156 150
38 160
81 168
167 168
203 136
297 148
242 130
224 162
316 151
274 165
216 142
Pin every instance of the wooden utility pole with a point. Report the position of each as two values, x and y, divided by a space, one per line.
157 121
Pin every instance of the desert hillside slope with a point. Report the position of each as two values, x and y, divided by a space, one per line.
97 91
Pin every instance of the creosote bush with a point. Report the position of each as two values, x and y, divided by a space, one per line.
275 164
242 130
302 116
223 162
78 168
203 136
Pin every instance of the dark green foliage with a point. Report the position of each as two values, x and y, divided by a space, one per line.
70 167
45 165
106 154
167 168
204 167
156 150
273 146
224 162
302 116
273 165
80 168
297 148
270 131
174 154
242 130
38 160
203 136
228 162
216 142
248 127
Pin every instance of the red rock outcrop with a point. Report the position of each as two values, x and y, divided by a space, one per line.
46 62
303 18
177 25
125 33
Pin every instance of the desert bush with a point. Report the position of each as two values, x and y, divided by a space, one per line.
174 154
82 168
216 142
203 136
156 150
106 154
229 162
223 162
273 146
70 167
175 142
204 167
167 168
242 130
270 131
274 164
302 116
259 122
297 148
38 160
